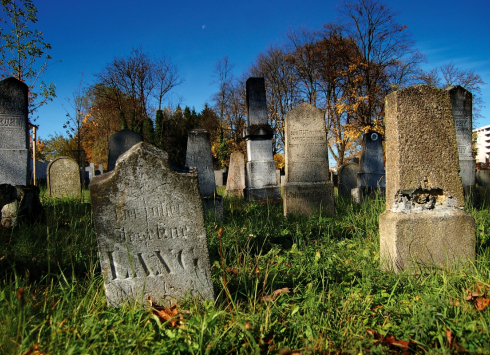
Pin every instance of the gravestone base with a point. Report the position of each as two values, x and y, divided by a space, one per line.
309 198
213 206
434 238
234 193
270 194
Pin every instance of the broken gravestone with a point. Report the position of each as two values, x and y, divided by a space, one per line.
149 223
424 224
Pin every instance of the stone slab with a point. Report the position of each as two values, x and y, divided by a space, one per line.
432 238
119 143
149 223
236 175
347 178
309 198
256 102
371 166
218 177
198 155
63 178
421 149
14 133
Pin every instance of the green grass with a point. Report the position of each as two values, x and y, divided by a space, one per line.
330 266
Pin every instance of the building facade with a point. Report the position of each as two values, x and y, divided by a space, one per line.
481 142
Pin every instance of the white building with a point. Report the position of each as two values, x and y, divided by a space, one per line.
481 140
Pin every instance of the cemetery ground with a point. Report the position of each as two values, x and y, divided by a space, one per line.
290 285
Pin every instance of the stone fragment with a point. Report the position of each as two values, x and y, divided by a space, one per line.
14 133
424 224
63 178
199 155
307 189
236 175
25 207
149 222
119 143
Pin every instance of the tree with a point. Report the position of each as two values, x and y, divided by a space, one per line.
448 75
22 51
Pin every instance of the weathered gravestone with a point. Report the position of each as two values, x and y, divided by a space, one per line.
199 155
371 175
14 133
149 223
347 178
461 102
236 175
218 177
260 169
63 178
424 223
119 143
307 189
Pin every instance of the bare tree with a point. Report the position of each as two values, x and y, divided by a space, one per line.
166 77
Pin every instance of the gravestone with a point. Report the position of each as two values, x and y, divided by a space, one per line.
278 177
260 169
119 143
307 189
199 155
14 133
218 177
371 175
424 224
347 178
63 178
149 223
236 175
462 109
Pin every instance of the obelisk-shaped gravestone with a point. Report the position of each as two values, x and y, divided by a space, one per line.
307 189
199 155
150 229
235 183
14 133
119 143
461 102
260 169
424 224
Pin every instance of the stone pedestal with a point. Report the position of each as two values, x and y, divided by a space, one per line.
441 238
309 198
260 169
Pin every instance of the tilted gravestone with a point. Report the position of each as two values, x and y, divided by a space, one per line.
119 143
347 178
236 175
462 109
199 155
63 178
371 175
14 133
307 189
424 223
260 169
149 223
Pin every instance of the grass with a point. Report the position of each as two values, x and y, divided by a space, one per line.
52 294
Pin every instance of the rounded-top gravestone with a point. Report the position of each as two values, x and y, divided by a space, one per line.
63 177
347 177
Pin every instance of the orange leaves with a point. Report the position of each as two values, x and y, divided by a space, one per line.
34 351
391 342
170 315
275 294
477 297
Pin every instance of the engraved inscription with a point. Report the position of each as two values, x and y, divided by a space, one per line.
12 121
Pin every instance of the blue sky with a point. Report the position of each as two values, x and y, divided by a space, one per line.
86 35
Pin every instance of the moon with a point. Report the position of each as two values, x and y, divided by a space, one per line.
203 27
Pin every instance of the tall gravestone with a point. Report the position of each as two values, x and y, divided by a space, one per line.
347 178
119 143
462 109
424 223
218 177
371 175
150 229
260 169
14 133
63 178
235 184
199 155
307 189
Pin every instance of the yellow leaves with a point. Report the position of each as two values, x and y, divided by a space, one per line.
279 159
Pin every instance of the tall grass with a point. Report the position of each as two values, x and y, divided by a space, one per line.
52 291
